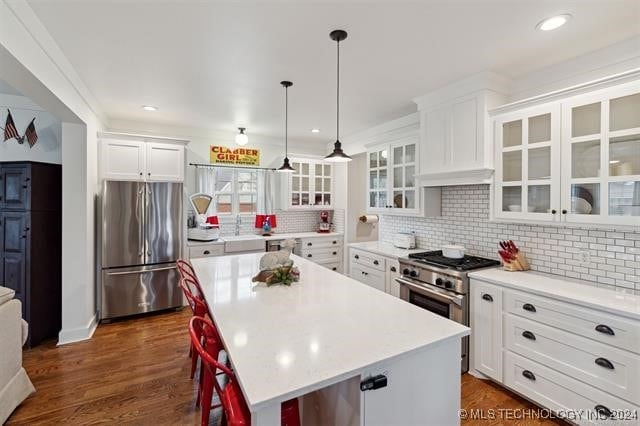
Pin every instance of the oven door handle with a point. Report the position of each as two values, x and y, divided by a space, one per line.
440 295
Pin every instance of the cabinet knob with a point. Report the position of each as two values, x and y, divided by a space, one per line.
334 269
140 173
393 269
375 262
356 257
335 242
309 255
487 297
553 211
206 252
564 211
309 244
335 252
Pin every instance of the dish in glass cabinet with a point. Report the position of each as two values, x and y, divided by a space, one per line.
518 208
580 205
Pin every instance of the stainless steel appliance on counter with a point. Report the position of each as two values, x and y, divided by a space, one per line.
141 241
440 284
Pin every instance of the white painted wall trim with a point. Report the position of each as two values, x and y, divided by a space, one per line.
73 335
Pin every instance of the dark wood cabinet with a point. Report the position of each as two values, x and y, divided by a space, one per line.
31 243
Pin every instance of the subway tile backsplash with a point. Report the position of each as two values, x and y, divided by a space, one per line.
597 256
288 221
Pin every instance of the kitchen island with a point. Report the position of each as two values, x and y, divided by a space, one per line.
323 336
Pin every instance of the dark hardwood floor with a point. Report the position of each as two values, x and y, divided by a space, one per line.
137 372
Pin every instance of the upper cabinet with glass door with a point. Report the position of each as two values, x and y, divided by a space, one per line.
601 148
310 186
527 166
391 175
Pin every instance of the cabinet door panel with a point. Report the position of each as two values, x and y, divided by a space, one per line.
435 155
464 133
15 188
122 159
486 323
13 231
165 162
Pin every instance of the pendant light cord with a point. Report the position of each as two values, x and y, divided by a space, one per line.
286 121
338 93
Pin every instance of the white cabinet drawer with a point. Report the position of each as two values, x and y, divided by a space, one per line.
367 259
333 266
317 242
605 328
607 368
561 393
370 277
206 251
322 254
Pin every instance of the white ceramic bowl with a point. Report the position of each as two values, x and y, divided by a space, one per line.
453 251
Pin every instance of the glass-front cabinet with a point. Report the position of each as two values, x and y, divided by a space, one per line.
391 171
601 181
574 160
527 167
311 185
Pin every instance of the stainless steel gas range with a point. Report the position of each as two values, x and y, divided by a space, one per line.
440 284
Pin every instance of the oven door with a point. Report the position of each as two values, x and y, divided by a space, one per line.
444 303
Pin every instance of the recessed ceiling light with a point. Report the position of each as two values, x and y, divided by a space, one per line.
553 22
149 108
614 161
315 130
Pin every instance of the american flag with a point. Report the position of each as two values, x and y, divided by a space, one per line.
30 133
10 130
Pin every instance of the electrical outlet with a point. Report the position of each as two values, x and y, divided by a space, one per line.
585 257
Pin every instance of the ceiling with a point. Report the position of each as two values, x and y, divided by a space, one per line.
217 65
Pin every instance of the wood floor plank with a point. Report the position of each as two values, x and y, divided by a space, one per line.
137 372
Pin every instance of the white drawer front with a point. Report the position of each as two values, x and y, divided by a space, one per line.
561 393
370 277
334 266
308 243
367 259
322 254
610 369
605 328
206 251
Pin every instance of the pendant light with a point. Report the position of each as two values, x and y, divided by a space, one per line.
241 138
286 167
338 155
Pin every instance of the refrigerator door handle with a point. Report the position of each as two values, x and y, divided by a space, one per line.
139 215
166 268
147 198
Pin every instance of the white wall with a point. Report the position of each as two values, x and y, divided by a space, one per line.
32 63
48 149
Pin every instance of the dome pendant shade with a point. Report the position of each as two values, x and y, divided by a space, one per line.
338 155
286 167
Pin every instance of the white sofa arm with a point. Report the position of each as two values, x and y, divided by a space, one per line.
25 332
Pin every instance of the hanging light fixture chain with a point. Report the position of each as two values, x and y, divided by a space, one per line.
286 121
338 93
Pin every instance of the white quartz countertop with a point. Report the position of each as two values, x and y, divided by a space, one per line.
286 341
285 236
385 249
612 301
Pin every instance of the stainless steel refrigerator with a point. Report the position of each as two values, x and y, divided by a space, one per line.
140 243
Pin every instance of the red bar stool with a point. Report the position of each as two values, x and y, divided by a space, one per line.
186 270
235 407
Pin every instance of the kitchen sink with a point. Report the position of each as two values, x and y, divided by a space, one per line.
243 243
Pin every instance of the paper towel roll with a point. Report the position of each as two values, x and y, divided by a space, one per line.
369 218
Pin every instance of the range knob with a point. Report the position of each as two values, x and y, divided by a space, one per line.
405 271
413 273
439 281
448 284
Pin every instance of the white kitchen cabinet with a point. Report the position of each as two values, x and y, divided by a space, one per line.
164 162
137 158
323 250
377 271
391 172
455 138
574 160
309 187
122 159
527 179
392 267
486 323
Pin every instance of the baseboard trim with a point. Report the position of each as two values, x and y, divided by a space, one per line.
73 335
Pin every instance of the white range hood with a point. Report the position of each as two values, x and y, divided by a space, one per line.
456 141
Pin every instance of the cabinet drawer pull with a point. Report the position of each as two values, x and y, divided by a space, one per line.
309 244
529 307
393 269
334 269
375 262
335 242
605 363
602 411
356 257
528 335
529 375
605 329
206 252
309 255
487 297
335 252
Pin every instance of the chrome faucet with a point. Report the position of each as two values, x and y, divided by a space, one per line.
238 223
